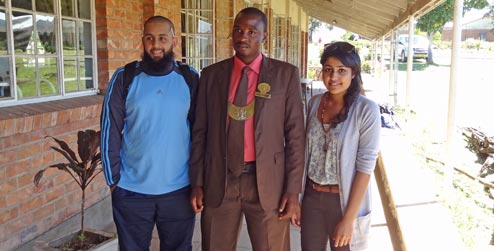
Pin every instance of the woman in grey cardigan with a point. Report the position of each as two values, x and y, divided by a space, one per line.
343 131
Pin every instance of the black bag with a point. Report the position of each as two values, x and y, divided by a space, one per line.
387 117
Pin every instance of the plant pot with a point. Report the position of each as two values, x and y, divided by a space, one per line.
110 244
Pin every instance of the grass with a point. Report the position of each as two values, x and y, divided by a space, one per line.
416 66
48 80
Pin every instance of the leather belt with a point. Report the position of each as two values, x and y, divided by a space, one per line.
323 188
249 167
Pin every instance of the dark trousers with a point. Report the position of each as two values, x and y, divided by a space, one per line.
221 226
321 212
136 214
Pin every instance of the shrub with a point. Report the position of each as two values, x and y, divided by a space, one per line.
84 169
367 66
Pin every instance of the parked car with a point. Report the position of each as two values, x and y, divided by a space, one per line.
420 47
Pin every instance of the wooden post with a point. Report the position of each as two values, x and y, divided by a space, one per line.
389 206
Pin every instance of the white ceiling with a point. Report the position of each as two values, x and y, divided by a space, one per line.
371 19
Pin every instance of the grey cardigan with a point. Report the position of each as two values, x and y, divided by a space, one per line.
357 150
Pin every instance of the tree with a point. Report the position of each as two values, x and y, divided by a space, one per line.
490 15
435 20
314 24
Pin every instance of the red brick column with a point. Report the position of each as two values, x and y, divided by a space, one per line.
224 23
118 34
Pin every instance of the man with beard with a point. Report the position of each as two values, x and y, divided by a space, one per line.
247 155
145 141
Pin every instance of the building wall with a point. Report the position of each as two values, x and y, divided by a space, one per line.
447 35
26 211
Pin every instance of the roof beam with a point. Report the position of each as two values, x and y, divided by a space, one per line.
368 18
419 8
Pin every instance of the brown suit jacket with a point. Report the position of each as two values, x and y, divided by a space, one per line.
279 133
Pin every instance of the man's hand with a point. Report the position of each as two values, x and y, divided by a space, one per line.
196 199
290 208
112 187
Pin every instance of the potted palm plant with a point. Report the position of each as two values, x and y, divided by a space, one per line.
83 170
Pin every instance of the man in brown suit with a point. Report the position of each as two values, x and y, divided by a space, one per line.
247 155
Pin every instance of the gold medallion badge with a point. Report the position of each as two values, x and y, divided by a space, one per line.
263 88
241 112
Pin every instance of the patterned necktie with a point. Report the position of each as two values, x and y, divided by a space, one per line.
237 127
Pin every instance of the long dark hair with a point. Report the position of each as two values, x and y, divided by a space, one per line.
346 53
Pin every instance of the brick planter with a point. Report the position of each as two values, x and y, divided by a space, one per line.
109 245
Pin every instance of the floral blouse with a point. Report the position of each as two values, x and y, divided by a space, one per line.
322 165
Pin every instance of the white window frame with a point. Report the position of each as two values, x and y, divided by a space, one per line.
280 42
294 46
197 55
14 99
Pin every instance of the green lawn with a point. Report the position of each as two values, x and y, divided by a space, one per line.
48 80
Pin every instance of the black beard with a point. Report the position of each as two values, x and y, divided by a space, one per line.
157 66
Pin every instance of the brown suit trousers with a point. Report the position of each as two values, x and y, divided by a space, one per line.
221 226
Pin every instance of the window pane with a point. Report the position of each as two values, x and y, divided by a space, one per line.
26 77
2 3
26 69
69 40
68 8
22 25
3 33
189 47
190 4
24 4
206 46
190 24
85 38
204 24
86 73
205 4
184 45
70 74
44 6
205 62
84 9
5 78
182 20
48 79
46 34
74 83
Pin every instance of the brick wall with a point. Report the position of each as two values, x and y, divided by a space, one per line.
27 211
118 34
224 23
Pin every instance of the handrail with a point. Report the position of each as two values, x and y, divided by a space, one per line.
389 206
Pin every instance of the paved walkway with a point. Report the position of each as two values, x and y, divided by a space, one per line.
426 224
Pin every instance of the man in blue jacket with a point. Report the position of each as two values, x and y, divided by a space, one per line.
145 142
